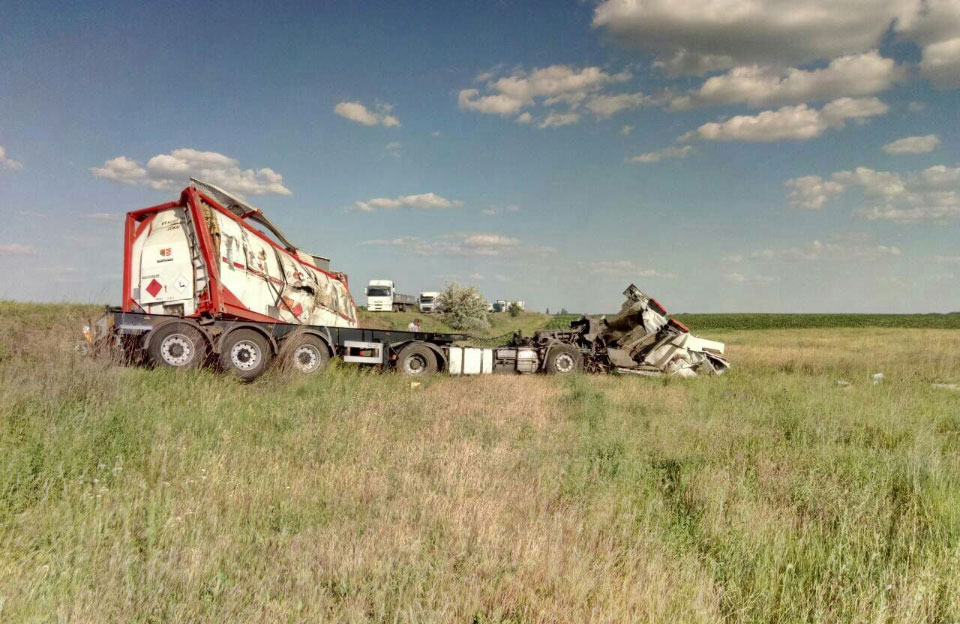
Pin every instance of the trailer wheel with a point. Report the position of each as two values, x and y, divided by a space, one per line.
564 360
245 353
308 355
177 345
417 360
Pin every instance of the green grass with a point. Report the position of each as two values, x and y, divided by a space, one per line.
704 322
772 494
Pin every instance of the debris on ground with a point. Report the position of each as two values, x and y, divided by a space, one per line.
946 386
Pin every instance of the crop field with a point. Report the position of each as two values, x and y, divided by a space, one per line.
772 494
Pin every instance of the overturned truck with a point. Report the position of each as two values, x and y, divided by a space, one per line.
208 279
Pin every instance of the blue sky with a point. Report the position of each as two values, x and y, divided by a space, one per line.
725 156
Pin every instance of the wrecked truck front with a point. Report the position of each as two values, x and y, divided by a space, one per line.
642 339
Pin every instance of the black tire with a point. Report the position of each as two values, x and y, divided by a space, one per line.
245 353
306 354
564 360
177 345
417 360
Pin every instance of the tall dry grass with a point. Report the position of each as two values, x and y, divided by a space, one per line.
773 494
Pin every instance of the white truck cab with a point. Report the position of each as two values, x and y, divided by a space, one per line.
383 297
428 301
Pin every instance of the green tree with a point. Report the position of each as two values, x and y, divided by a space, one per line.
463 307
514 309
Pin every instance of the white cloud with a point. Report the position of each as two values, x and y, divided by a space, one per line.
8 163
554 120
838 111
941 63
625 130
698 36
947 259
16 249
355 111
120 169
489 212
603 106
935 26
393 148
426 201
913 145
548 86
172 171
622 268
758 85
851 247
916 107
929 195
811 192
667 152
798 122
461 244
751 280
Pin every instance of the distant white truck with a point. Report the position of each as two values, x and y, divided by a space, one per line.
383 297
428 302
502 305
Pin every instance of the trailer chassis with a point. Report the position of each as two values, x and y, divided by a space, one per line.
246 347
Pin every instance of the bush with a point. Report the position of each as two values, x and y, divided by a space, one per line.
514 309
463 308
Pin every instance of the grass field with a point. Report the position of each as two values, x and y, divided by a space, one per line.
772 494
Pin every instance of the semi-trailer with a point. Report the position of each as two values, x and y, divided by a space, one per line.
203 283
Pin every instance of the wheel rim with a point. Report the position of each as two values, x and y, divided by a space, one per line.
245 355
415 364
306 358
564 363
176 350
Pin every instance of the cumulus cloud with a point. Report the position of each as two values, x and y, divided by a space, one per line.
913 145
811 192
668 152
758 85
8 163
120 169
699 36
461 244
798 123
850 247
425 201
604 106
929 195
622 268
554 120
172 171
935 26
510 94
751 280
355 111
941 63
16 249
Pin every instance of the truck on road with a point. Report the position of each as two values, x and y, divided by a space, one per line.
382 296
427 302
204 284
